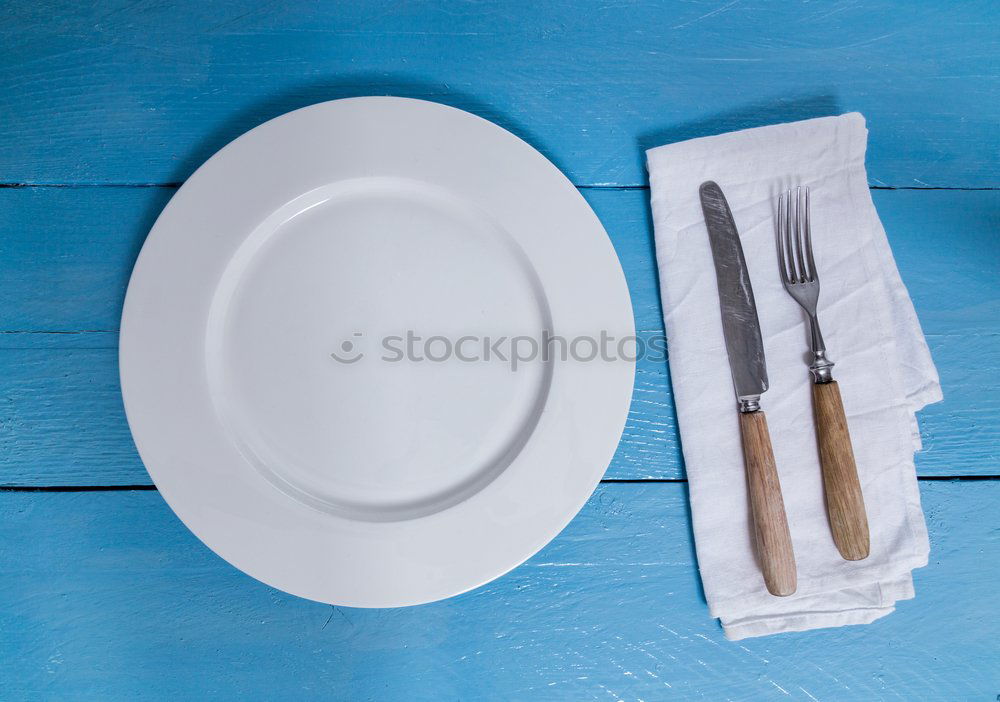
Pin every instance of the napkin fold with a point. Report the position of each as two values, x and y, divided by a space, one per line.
883 366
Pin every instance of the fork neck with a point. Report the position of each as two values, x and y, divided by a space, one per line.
821 366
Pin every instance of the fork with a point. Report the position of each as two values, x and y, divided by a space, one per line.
845 504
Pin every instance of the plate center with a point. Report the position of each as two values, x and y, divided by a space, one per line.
361 349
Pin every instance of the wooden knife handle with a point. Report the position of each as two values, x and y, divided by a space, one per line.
774 543
844 502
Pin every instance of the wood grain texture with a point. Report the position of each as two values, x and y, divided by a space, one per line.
143 92
107 596
845 504
770 525
66 254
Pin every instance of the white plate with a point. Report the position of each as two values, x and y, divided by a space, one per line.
304 244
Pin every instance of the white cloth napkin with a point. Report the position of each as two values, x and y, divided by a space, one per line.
883 367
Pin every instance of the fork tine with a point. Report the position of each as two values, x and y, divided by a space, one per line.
788 238
793 233
800 245
779 239
800 256
809 243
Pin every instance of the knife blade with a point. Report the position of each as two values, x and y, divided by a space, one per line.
740 324
745 349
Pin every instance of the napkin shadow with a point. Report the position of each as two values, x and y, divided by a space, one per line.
694 552
344 86
759 114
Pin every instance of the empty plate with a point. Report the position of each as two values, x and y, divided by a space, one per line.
375 352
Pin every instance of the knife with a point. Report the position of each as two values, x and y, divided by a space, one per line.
745 348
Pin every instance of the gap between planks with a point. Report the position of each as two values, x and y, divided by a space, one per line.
609 481
591 186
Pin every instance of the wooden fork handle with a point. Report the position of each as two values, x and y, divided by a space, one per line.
845 504
774 543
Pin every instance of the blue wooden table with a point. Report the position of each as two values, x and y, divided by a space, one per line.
106 107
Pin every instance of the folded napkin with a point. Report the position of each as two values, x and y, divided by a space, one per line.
883 367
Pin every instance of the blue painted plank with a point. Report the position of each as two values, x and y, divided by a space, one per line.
141 92
65 256
947 248
62 421
66 253
107 596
